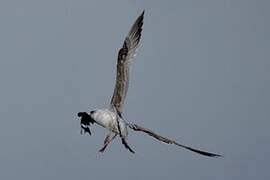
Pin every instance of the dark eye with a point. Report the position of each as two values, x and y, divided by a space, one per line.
92 112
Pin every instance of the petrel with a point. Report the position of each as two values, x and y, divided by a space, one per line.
112 118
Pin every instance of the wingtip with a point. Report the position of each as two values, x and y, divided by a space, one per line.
204 153
142 13
216 156
212 155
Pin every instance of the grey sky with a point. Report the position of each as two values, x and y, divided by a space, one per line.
202 76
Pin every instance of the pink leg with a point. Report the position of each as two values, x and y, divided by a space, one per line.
107 141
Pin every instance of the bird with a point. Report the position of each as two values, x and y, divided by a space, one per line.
111 117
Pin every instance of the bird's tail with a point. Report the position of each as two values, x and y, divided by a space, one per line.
136 127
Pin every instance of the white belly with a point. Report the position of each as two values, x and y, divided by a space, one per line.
108 120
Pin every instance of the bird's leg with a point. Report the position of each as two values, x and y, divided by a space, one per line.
124 142
107 141
123 139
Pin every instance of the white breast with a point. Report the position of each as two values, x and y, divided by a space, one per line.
104 117
107 119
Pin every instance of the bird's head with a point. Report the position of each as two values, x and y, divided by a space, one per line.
86 120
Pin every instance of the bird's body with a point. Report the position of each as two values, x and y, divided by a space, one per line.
111 118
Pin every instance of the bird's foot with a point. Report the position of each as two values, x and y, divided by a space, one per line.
124 142
102 149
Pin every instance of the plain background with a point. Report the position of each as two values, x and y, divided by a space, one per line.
202 77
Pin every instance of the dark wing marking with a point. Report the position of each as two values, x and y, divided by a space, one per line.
125 55
136 127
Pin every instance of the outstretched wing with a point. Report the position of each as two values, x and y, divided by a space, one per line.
125 55
136 127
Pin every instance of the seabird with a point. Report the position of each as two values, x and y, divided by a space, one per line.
111 118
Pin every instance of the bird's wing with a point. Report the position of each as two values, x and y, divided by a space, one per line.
136 127
125 55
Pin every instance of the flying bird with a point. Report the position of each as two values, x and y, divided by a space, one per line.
112 118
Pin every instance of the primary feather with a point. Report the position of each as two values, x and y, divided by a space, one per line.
125 56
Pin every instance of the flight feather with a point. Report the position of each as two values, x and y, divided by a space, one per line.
125 56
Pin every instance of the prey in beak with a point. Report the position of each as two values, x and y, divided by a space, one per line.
86 119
